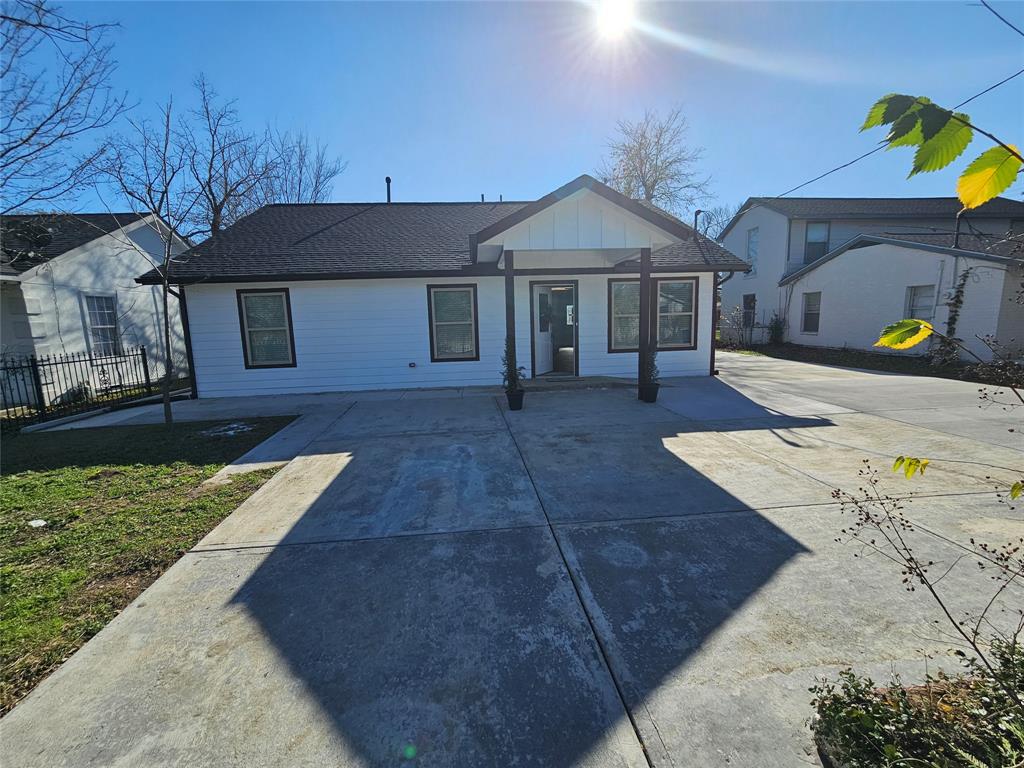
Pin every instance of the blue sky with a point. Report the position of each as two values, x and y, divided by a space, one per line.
458 99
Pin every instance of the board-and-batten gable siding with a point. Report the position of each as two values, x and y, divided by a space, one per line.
362 334
864 289
772 229
105 266
584 220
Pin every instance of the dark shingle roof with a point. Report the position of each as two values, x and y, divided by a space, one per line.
27 240
1010 246
878 208
1007 250
884 207
331 240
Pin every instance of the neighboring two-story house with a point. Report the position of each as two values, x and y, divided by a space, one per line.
837 270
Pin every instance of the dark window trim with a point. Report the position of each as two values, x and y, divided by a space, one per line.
657 314
430 324
655 281
575 325
239 294
611 281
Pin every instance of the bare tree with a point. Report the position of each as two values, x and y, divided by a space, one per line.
54 90
716 218
304 171
651 160
150 167
230 167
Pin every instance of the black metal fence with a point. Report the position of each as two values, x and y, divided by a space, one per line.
36 389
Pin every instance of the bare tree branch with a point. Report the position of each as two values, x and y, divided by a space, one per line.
650 160
51 96
304 172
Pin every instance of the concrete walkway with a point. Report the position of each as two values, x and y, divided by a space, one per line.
591 581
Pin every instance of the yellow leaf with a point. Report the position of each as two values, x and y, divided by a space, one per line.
990 174
904 334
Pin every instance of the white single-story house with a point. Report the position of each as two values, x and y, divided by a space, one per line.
914 276
356 296
68 287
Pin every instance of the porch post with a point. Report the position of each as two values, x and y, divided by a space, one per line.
645 317
510 308
714 320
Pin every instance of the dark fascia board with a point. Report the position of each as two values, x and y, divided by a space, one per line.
864 241
754 202
747 205
474 270
586 181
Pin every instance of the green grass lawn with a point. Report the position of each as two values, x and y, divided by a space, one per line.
121 504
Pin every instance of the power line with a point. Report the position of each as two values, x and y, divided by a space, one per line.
879 148
1003 18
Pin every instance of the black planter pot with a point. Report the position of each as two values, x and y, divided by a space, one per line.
649 393
515 399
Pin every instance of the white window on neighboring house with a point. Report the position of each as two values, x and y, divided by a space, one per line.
816 241
752 243
811 316
104 338
920 302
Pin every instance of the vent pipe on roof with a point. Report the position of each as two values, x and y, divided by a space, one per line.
387 180
501 198
481 197
696 213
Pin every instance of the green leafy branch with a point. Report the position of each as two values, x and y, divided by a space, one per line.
941 136
909 333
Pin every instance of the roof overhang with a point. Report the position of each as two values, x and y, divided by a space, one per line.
866 241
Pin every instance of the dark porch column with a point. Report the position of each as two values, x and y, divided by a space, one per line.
715 308
510 308
645 316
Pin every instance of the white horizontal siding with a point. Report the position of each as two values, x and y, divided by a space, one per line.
363 334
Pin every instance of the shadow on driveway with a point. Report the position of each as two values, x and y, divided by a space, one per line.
453 633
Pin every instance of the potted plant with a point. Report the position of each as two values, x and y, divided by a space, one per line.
648 389
512 378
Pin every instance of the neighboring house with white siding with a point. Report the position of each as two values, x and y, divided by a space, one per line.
67 285
356 296
861 263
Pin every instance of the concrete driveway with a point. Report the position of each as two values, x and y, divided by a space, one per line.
433 580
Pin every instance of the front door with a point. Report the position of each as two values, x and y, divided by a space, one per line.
554 328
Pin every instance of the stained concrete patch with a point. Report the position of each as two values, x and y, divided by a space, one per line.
706 399
736 604
410 417
348 488
834 453
602 409
654 470
468 650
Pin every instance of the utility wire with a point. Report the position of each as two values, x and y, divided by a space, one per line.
1003 19
877 149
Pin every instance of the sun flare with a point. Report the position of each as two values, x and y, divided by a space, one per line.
614 17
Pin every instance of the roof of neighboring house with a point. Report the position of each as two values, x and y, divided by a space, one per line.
1000 250
27 240
878 208
352 240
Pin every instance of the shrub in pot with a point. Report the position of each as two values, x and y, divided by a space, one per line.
512 378
649 386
